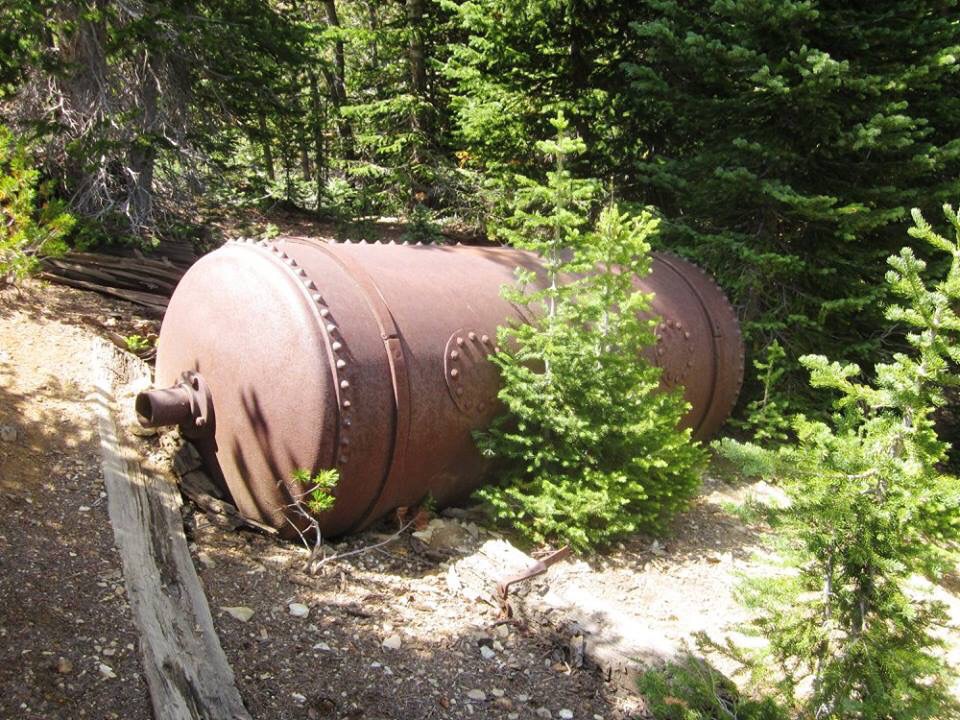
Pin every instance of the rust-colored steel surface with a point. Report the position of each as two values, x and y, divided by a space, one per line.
297 354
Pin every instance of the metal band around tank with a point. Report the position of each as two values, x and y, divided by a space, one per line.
399 375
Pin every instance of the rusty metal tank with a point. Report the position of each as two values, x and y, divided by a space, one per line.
296 354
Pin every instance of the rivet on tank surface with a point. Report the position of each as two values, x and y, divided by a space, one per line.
345 442
686 334
459 391
485 339
343 459
317 298
454 373
348 422
323 311
302 273
311 285
460 341
331 328
472 335
345 384
454 354
341 364
336 345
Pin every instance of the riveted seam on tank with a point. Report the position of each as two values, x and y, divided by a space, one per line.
341 384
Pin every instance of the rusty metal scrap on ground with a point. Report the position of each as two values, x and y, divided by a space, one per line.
296 354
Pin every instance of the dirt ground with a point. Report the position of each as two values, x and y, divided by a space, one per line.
385 634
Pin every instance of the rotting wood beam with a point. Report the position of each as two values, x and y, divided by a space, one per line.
187 672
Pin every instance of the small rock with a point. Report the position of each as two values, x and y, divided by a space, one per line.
301 699
299 610
565 714
64 666
393 642
240 613
477 694
542 712
497 692
487 653
8 433
83 508
322 647
523 698
106 671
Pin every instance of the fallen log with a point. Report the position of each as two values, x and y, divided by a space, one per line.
187 672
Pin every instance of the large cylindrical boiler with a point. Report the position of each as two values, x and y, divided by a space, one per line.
296 354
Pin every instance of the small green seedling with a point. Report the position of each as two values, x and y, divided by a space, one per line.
137 343
318 489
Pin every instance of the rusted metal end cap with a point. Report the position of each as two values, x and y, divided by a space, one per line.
244 323
699 345
187 404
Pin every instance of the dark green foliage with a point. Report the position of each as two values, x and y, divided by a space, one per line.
782 141
787 141
589 450
690 689
33 225
871 508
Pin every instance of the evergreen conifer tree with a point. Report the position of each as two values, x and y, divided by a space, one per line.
589 450
871 507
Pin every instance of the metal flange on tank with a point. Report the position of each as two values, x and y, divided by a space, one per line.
295 354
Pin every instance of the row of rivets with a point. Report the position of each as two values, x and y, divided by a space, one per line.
335 344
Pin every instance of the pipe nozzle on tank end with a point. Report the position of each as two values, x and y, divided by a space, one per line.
187 404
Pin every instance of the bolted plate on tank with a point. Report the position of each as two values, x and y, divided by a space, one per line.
468 372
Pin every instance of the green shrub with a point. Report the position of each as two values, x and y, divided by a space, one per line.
32 224
589 450
871 508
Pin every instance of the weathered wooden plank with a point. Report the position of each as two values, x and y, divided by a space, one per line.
157 304
186 669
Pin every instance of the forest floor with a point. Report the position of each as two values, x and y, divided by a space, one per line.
386 635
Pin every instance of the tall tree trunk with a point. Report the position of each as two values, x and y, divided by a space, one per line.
267 149
305 167
418 63
374 48
142 153
337 81
420 116
318 158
